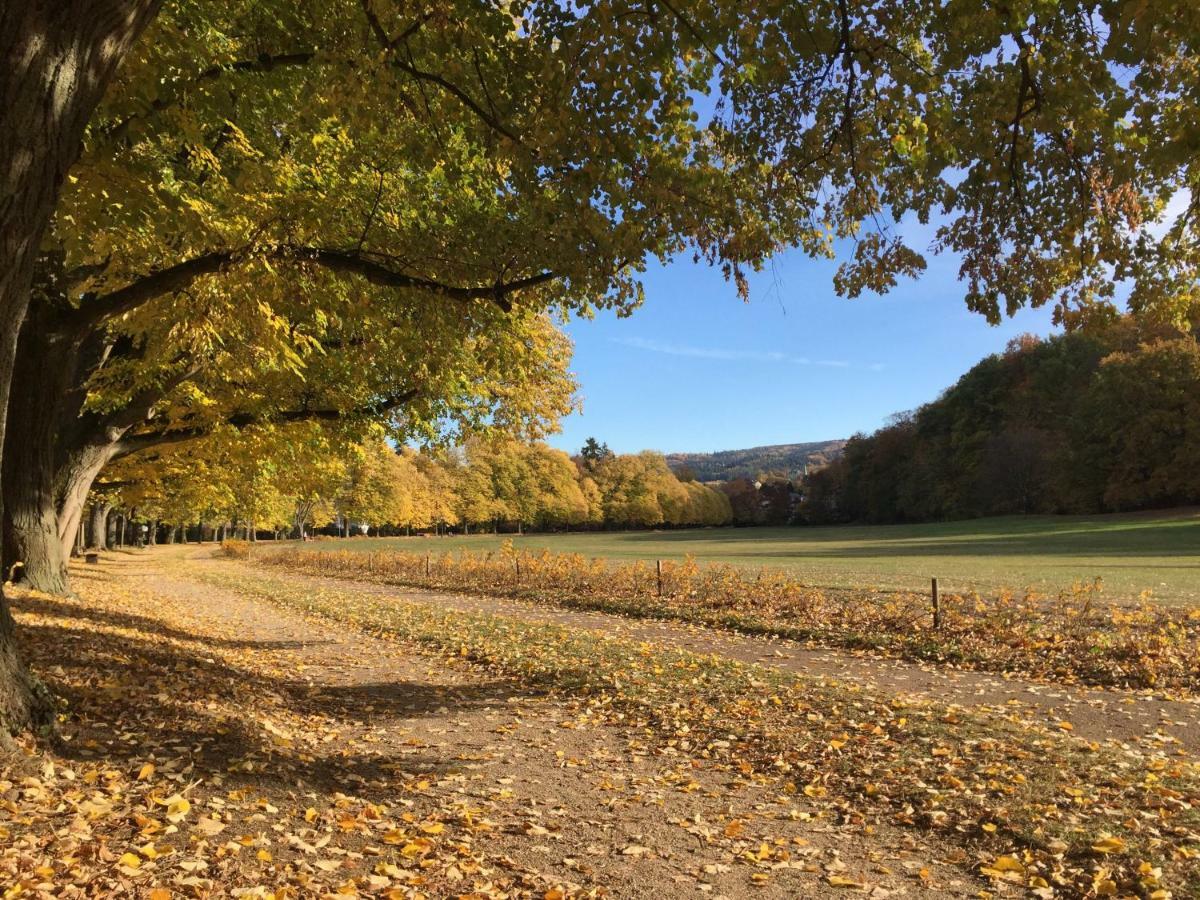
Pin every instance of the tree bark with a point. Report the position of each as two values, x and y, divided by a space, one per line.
99 534
32 533
59 56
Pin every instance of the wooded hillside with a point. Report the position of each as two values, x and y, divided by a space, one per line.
1093 421
788 460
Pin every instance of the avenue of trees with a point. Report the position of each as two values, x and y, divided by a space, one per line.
1085 422
244 214
294 479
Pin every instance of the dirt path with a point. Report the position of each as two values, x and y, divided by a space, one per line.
1097 715
328 716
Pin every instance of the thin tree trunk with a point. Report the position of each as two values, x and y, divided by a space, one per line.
100 525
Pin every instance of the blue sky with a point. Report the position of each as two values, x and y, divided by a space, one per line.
697 369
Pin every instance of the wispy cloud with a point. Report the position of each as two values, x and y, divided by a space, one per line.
718 353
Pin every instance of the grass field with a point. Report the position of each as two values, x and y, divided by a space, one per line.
1158 552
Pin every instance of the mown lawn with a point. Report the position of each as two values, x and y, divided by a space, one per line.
1157 552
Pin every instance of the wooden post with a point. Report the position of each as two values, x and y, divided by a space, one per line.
517 566
658 568
426 566
370 563
937 605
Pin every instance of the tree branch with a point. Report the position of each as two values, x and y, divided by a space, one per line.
264 62
693 30
141 406
97 309
134 443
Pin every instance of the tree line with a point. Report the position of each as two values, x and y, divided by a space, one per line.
1098 420
298 479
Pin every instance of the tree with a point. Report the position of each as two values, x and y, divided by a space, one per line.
559 498
1140 425
1093 420
1016 469
593 453
373 493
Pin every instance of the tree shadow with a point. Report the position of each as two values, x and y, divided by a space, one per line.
49 606
126 699
1036 537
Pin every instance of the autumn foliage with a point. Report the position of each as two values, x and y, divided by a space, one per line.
1071 636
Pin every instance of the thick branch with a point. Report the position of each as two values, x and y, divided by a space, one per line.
141 406
136 442
97 309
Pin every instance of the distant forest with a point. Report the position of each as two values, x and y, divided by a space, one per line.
1102 420
783 460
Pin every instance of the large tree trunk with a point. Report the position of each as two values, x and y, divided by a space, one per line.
53 451
59 56
32 533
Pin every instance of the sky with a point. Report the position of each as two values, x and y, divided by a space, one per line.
696 369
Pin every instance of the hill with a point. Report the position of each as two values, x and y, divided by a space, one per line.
775 459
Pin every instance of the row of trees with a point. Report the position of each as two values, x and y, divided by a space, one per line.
1102 420
290 479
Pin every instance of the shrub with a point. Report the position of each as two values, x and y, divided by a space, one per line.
235 548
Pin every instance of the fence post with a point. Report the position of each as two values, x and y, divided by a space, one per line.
658 569
937 605
370 563
517 566
426 566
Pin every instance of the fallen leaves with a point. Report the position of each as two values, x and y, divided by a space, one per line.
1072 636
219 790
869 757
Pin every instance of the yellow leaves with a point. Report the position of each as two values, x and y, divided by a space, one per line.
1108 844
1005 868
177 807
209 827
145 772
733 829
130 861
310 815
416 848
159 894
